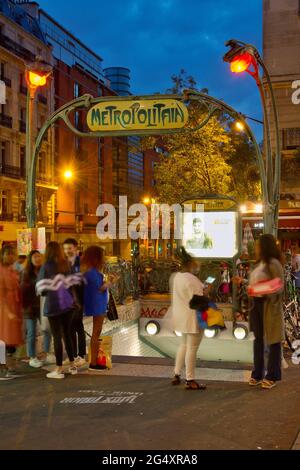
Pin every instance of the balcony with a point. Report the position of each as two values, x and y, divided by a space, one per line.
6 217
23 89
6 80
44 179
10 171
5 121
16 48
22 126
42 99
43 219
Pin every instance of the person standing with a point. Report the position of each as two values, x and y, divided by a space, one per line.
77 328
95 297
266 316
32 309
59 304
184 286
11 331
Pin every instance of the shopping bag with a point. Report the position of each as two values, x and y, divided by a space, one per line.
272 286
104 359
215 318
112 312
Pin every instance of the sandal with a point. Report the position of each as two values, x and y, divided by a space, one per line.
193 385
176 380
254 382
268 384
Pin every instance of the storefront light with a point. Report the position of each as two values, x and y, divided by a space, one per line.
240 332
211 333
153 328
177 333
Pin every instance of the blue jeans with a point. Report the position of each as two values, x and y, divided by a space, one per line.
31 338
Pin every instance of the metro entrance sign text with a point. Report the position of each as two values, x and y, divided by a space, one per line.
129 115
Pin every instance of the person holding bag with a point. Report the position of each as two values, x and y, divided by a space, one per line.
184 286
54 282
96 297
266 317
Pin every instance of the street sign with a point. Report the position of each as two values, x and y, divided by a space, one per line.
134 115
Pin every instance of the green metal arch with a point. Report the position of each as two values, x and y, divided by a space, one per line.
85 102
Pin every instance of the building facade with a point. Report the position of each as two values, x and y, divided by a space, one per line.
281 41
21 41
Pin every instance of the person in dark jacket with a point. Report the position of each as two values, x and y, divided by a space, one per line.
32 308
77 327
54 282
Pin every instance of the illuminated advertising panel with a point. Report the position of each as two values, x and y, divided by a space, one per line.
210 234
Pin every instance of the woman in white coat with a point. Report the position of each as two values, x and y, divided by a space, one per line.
184 286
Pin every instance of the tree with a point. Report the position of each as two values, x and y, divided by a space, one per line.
213 160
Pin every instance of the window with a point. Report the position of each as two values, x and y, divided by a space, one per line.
23 114
4 201
291 138
42 163
22 206
23 162
77 202
76 90
76 119
2 70
4 153
40 209
77 143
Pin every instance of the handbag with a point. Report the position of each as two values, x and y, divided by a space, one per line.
112 311
272 286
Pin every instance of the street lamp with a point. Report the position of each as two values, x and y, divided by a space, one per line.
36 76
240 126
68 175
244 57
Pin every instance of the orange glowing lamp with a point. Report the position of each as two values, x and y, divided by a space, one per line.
36 80
241 63
68 175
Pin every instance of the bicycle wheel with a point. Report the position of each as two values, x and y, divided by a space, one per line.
291 332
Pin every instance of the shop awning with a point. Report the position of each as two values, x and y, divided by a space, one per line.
285 222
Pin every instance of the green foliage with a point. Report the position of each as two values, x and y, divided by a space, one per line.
214 159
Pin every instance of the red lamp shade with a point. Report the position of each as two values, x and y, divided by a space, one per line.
241 63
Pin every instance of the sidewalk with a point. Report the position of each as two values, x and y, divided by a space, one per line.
119 410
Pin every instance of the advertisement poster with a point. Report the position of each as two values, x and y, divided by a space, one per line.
31 239
210 234
24 239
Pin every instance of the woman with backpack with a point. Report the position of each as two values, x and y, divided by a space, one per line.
54 282
32 309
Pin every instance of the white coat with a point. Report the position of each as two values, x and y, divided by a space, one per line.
184 286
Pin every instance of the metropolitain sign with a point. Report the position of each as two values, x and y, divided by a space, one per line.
137 115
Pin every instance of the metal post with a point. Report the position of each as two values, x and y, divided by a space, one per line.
30 210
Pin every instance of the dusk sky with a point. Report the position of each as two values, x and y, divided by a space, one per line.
156 38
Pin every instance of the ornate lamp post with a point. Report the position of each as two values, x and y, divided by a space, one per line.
37 74
246 58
